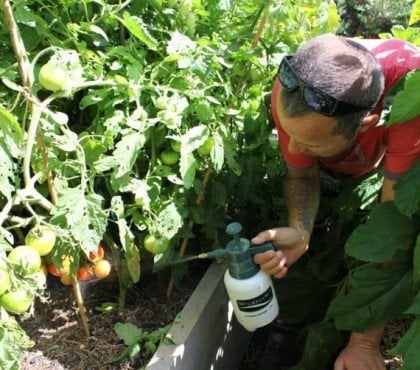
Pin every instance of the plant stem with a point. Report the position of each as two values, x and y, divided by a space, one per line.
26 72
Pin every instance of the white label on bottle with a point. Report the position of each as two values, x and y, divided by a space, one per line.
257 303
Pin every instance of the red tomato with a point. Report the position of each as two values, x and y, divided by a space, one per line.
98 255
85 272
66 279
52 269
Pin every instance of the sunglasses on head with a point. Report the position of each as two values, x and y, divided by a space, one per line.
314 98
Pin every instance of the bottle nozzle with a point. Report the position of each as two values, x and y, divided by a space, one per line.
217 253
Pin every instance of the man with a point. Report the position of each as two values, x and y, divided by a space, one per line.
326 104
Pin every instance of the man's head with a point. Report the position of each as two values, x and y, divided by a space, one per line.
341 68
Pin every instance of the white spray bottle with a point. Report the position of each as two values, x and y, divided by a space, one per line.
250 289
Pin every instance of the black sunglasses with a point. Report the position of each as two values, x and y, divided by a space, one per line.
314 98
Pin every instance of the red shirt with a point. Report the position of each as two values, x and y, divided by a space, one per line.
395 147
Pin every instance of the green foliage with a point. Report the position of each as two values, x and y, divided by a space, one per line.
369 18
385 231
13 340
407 101
136 340
81 143
322 340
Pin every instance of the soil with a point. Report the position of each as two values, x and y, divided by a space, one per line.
60 342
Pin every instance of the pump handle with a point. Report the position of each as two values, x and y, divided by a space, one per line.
260 248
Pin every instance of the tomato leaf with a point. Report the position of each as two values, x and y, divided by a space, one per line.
169 221
187 167
11 132
415 14
407 191
416 261
406 103
385 231
375 294
136 26
128 332
82 215
322 341
193 138
408 347
131 251
415 307
122 159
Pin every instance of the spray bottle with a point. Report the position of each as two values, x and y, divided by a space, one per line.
250 289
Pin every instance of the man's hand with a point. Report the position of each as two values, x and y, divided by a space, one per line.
291 244
360 357
362 351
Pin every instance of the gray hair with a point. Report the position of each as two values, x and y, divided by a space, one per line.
341 68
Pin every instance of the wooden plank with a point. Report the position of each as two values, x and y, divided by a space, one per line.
207 334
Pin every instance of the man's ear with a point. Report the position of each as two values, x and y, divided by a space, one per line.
369 121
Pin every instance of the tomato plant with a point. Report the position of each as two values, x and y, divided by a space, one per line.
42 238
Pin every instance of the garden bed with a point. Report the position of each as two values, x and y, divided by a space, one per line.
60 342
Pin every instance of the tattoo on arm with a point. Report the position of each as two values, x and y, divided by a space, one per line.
302 202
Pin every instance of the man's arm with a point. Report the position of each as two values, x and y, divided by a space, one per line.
301 192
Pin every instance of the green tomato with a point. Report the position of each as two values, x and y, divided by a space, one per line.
239 69
4 281
155 244
176 146
169 157
185 7
256 75
42 238
25 260
206 147
16 301
52 77
190 20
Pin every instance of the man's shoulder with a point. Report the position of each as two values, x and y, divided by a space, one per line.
377 46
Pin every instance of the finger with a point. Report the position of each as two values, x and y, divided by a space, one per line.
261 258
264 236
274 265
282 273
339 365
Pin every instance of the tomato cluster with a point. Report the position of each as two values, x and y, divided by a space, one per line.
95 266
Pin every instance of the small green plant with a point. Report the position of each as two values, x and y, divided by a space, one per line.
138 341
